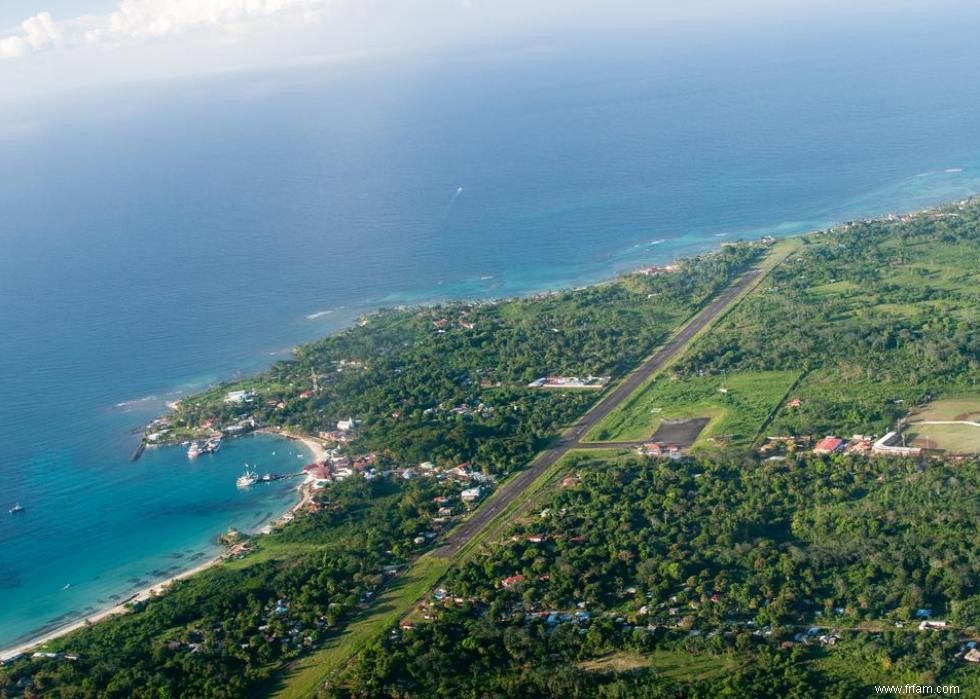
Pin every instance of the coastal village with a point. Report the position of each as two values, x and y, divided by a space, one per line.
335 460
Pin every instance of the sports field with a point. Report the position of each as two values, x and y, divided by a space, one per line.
952 424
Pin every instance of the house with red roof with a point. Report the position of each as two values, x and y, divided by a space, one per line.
509 583
828 445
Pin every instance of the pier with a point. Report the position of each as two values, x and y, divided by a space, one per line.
138 451
279 477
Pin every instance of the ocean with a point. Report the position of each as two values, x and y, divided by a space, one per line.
159 238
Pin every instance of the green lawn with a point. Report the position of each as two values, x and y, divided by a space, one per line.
738 405
967 408
681 666
955 439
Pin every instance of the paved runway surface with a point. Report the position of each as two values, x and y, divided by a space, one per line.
460 536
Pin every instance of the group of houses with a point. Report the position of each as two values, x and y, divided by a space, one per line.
888 445
569 382
660 450
891 444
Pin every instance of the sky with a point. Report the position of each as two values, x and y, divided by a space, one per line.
59 46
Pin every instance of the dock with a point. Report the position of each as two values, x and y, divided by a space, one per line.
138 451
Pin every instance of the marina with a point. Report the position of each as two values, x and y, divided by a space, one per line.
210 446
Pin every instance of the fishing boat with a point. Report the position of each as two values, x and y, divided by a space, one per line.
248 478
17 508
211 446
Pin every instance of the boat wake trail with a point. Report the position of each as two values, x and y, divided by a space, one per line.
449 207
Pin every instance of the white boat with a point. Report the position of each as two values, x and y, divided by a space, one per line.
267 477
17 508
247 478
193 451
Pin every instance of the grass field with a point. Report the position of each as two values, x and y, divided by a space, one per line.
841 400
616 662
953 439
738 405
681 666
948 409
959 435
672 665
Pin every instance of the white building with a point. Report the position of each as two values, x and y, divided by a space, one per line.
239 397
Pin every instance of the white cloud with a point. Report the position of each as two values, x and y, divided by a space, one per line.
37 33
137 21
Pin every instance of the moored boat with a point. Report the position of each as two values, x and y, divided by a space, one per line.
248 478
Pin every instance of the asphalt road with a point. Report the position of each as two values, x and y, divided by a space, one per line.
460 536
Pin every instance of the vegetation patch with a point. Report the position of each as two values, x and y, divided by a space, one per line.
616 662
737 406
683 666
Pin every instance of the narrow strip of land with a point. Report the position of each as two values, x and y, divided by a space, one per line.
571 439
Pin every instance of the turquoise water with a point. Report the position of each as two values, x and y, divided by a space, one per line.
157 239
108 530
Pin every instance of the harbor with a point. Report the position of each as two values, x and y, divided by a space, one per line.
250 477
184 503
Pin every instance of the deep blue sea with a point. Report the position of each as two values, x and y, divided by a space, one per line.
157 238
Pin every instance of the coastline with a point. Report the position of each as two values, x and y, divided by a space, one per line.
318 450
143 595
304 496
305 490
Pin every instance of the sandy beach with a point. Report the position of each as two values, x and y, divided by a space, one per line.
305 492
315 446
143 595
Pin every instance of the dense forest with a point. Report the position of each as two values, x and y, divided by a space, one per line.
730 561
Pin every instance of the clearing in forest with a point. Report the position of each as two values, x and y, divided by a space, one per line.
736 406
